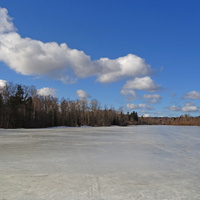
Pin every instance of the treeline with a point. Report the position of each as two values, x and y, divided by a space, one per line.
184 120
22 107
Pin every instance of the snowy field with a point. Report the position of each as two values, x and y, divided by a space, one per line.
106 163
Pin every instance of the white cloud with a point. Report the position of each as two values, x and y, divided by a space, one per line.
6 21
154 101
146 115
192 95
144 83
132 106
127 66
46 91
152 98
33 57
174 108
188 107
132 95
82 94
140 106
145 106
3 83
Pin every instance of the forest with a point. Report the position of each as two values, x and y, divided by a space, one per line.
22 107
183 120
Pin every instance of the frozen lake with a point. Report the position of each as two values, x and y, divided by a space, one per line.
106 163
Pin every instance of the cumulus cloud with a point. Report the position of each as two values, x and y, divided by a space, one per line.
174 108
146 115
140 106
139 83
6 21
145 106
132 106
132 95
127 66
144 83
3 83
152 98
188 107
82 94
46 91
33 57
192 95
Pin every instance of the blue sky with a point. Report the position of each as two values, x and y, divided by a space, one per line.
140 55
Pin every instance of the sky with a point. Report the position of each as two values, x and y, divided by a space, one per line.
135 55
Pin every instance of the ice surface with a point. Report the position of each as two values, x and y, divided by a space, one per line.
105 163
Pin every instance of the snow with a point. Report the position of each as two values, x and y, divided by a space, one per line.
101 163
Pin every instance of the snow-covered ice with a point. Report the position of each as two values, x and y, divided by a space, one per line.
102 163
